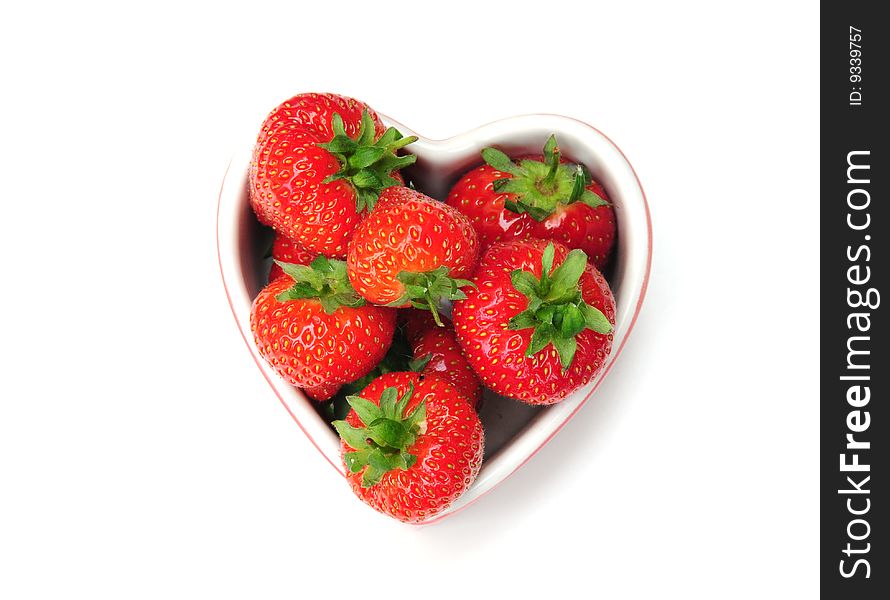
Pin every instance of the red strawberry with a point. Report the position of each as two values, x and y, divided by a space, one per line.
411 251
553 199
314 111
324 391
315 331
436 352
531 331
411 445
318 166
285 250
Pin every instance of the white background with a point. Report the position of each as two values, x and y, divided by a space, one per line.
142 455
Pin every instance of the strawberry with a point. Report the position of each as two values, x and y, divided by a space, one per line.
553 199
285 250
318 166
411 445
539 324
323 392
314 330
437 352
397 358
412 251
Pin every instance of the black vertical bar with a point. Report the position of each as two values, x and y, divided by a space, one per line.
855 369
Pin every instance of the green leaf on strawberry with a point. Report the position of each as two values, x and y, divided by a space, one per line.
364 163
325 279
382 444
426 290
556 310
538 187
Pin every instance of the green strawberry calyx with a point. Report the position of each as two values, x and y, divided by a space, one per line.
382 443
539 188
556 311
365 163
426 290
325 279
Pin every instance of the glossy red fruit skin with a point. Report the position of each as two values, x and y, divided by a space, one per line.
497 354
288 251
315 350
446 357
324 391
286 183
408 231
314 111
449 452
577 225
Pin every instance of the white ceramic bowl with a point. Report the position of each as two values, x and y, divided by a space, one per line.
513 430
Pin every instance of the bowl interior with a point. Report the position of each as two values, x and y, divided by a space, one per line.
513 430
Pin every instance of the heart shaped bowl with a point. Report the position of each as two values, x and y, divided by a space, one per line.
514 432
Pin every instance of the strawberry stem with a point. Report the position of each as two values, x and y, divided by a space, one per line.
325 279
551 159
538 188
426 290
367 164
556 311
382 444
